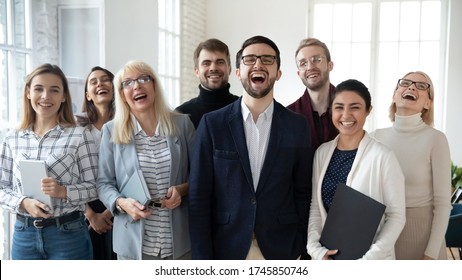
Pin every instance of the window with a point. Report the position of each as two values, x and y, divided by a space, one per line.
377 42
15 57
169 49
15 63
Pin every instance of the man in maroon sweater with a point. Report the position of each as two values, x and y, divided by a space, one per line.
314 65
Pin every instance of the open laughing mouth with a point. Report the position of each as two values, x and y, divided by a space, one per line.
312 75
258 78
139 97
409 96
102 91
347 123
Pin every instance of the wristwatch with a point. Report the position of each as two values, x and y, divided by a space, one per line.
121 211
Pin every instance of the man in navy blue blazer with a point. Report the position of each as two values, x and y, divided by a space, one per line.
250 178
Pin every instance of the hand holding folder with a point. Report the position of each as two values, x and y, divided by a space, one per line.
137 189
32 173
351 223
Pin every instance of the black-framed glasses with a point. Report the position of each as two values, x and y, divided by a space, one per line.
265 59
128 84
303 64
418 85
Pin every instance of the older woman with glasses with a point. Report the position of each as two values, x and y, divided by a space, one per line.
148 140
423 153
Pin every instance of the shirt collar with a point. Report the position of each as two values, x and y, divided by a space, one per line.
267 114
137 126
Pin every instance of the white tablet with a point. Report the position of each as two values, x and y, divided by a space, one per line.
32 173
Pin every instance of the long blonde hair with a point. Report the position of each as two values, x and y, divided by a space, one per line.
65 115
123 126
427 114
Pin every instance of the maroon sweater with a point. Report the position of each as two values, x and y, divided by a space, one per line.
321 127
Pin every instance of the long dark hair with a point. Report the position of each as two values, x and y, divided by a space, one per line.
88 105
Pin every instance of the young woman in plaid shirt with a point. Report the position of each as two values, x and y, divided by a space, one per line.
48 132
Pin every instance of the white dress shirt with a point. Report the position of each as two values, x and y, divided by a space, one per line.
257 137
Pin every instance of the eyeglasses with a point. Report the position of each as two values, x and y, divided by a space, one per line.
265 59
129 84
418 85
315 60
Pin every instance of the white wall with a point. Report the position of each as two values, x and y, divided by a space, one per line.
454 74
284 22
130 32
45 34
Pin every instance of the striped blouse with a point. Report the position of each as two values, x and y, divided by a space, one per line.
155 159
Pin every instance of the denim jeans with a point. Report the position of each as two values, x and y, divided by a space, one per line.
69 241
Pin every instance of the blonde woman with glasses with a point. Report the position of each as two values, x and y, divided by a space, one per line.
145 135
423 153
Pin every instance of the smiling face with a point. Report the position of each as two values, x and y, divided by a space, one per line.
213 69
258 79
315 76
140 96
410 100
99 88
349 113
46 94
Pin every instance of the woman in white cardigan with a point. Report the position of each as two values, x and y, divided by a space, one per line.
363 164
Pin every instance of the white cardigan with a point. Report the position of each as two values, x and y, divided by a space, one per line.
375 172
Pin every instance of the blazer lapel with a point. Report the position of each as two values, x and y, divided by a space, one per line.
174 146
236 128
275 138
129 156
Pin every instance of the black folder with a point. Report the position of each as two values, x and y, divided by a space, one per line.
351 223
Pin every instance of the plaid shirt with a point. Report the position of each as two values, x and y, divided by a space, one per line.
71 157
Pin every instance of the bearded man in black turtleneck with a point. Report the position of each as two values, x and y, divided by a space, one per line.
212 65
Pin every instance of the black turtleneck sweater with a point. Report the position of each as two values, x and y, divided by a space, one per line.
207 101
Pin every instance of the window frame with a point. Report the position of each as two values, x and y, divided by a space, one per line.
13 96
169 58
378 120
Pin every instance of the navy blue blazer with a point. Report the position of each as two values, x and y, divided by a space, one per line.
225 210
